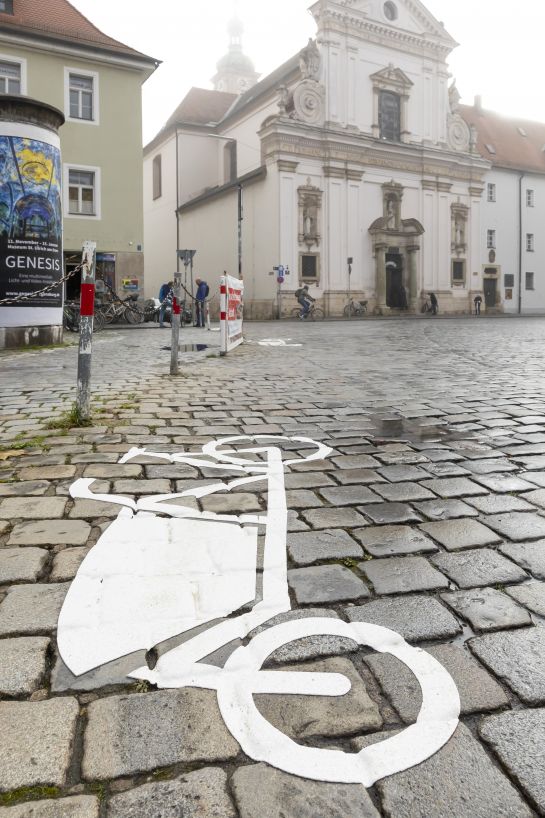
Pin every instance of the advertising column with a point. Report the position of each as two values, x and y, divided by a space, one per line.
30 222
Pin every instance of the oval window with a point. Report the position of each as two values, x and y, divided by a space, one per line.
390 10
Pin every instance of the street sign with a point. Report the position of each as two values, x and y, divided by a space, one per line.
186 256
280 279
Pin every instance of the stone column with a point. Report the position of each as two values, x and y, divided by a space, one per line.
413 276
380 255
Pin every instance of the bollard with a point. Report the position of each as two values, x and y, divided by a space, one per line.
175 323
207 314
87 311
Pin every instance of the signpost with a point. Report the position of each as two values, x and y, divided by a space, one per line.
281 273
187 257
350 262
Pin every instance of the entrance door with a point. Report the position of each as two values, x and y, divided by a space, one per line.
490 285
396 297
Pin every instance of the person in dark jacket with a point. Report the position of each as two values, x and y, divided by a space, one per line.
477 301
434 303
202 294
165 297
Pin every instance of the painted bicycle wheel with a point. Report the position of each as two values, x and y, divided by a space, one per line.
261 741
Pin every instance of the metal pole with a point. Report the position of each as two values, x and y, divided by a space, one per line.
175 323
87 311
349 289
240 217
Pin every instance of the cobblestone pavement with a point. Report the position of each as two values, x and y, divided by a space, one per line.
428 518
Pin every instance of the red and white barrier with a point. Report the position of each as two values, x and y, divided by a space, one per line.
231 317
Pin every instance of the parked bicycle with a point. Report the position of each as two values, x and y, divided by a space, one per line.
122 309
71 316
314 314
358 308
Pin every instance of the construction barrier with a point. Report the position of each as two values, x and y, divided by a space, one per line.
231 313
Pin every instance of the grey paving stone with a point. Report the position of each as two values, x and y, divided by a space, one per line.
455 535
22 665
446 469
536 497
141 487
21 564
358 476
394 540
402 575
316 716
443 456
36 742
499 504
262 792
66 564
47 473
295 523
355 461
310 647
309 547
130 734
535 477
492 466
388 513
516 657
51 532
402 458
530 556
349 495
172 472
27 488
479 691
231 503
416 618
472 569
199 794
402 473
4 525
530 594
326 583
518 740
33 508
92 510
403 492
29 609
309 480
334 518
517 526
454 487
302 498
460 781
445 509
77 806
487 609
106 471
504 483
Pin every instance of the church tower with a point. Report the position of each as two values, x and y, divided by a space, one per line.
235 71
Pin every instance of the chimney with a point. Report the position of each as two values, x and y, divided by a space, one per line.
478 104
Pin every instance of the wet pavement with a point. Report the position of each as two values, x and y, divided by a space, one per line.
427 518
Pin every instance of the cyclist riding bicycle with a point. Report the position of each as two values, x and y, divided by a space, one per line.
305 300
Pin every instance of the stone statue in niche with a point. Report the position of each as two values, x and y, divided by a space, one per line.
310 203
391 213
454 98
310 61
460 213
459 231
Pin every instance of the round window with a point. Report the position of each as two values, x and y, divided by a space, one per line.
390 10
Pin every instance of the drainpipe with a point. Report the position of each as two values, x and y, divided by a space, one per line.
521 177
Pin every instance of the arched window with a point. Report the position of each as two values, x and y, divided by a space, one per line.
389 116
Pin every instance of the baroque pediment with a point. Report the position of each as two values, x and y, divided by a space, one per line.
392 77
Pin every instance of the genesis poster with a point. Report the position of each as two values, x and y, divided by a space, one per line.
30 220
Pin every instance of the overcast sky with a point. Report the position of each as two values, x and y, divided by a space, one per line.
498 57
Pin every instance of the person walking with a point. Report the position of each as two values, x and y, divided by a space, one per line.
477 301
165 297
434 304
202 294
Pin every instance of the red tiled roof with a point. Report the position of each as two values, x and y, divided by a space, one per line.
202 107
60 20
515 143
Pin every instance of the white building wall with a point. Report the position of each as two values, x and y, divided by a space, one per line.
160 220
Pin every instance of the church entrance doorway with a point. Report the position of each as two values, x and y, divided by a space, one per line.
396 296
489 286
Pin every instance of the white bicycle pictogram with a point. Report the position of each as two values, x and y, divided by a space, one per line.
162 570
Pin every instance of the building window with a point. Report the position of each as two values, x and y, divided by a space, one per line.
157 177
458 271
491 239
529 242
230 161
509 280
10 77
81 192
491 192
390 10
389 116
6 6
529 281
309 267
530 198
81 96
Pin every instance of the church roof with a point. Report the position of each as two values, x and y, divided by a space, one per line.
507 142
59 20
202 107
269 83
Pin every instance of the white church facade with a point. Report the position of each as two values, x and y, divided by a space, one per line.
355 166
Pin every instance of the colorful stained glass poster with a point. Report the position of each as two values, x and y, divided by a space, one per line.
30 220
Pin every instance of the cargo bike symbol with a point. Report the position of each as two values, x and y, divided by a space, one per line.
164 569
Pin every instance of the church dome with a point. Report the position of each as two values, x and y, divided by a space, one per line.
235 61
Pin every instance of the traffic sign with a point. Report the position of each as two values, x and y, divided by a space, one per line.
280 279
